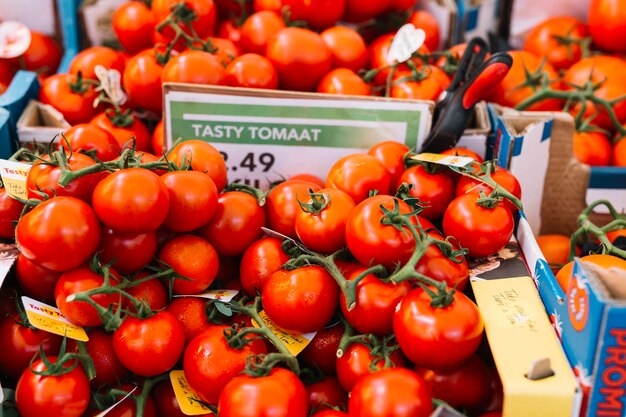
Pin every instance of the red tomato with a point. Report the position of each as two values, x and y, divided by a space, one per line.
599 69
132 200
592 148
322 351
330 413
258 29
251 71
86 61
66 395
301 58
483 231
310 178
207 376
391 392
319 14
435 265
10 211
128 407
79 280
151 292
427 22
109 370
428 88
323 228
231 30
302 300
195 67
236 223
123 133
345 82
59 234
282 205
436 190
260 260
553 38
379 57
205 15
261 396
127 252
362 10
391 155
60 92
191 313
225 50
607 24
376 302
356 363
358 175
437 337
501 176
618 154
90 138
193 200
166 402
150 346
20 343
203 157
347 46
34 280
326 393
191 257
467 386
133 23
142 81
514 88
158 139
43 55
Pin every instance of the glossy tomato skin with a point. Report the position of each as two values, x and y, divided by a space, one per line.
355 363
592 148
357 175
75 107
132 200
191 312
88 137
236 223
151 292
195 67
394 392
133 23
260 260
59 234
128 252
203 157
330 413
301 58
319 14
64 396
434 189
607 24
543 40
347 46
78 280
376 302
325 231
42 56
207 376
34 280
204 10
502 177
251 71
86 61
136 131
437 338
258 29
322 351
429 88
21 343
150 346
467 386
192 257
142 81
391 155
193 200
302 300
345 82
326 393
282 205
261 396
483 231
435 265
10 211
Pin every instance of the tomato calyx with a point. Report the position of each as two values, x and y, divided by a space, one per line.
120 118
404 194
482 172
65 362
587 227
381 349
81 85
260 195
317 202
110 396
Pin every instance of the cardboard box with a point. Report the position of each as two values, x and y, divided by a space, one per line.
40 123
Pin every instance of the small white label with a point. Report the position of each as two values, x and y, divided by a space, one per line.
105 412
111 84
222 295
408 40
14 39
450 160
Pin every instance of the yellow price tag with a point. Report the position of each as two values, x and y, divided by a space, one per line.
188 401
14 177
50 319
295 343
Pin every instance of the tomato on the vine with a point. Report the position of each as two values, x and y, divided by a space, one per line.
193 200
558 39
191 257
151 293
42 56
195 67
128 253
191 312
282 205
92 139
358 175
434 264
361 10
592 148
133 24
356 362
75 103
260 260
85 61
607 24
124 133
426 84
502 177
34 280
326 393
347 46
322 351
251 71
203 157
204 11
343 81
391 155
258 29
434 189
142 81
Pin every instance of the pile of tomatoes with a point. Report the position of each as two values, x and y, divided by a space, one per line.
124 246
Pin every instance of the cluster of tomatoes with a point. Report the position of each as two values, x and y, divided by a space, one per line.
109 241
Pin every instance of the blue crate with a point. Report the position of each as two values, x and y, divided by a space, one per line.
68 15
6 148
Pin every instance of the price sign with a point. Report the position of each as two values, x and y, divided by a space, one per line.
268 135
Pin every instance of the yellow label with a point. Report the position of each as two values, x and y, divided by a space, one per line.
50 319
295 343
188 401
520 335
451 160
14 177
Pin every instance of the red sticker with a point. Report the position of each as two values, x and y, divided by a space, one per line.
14 39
